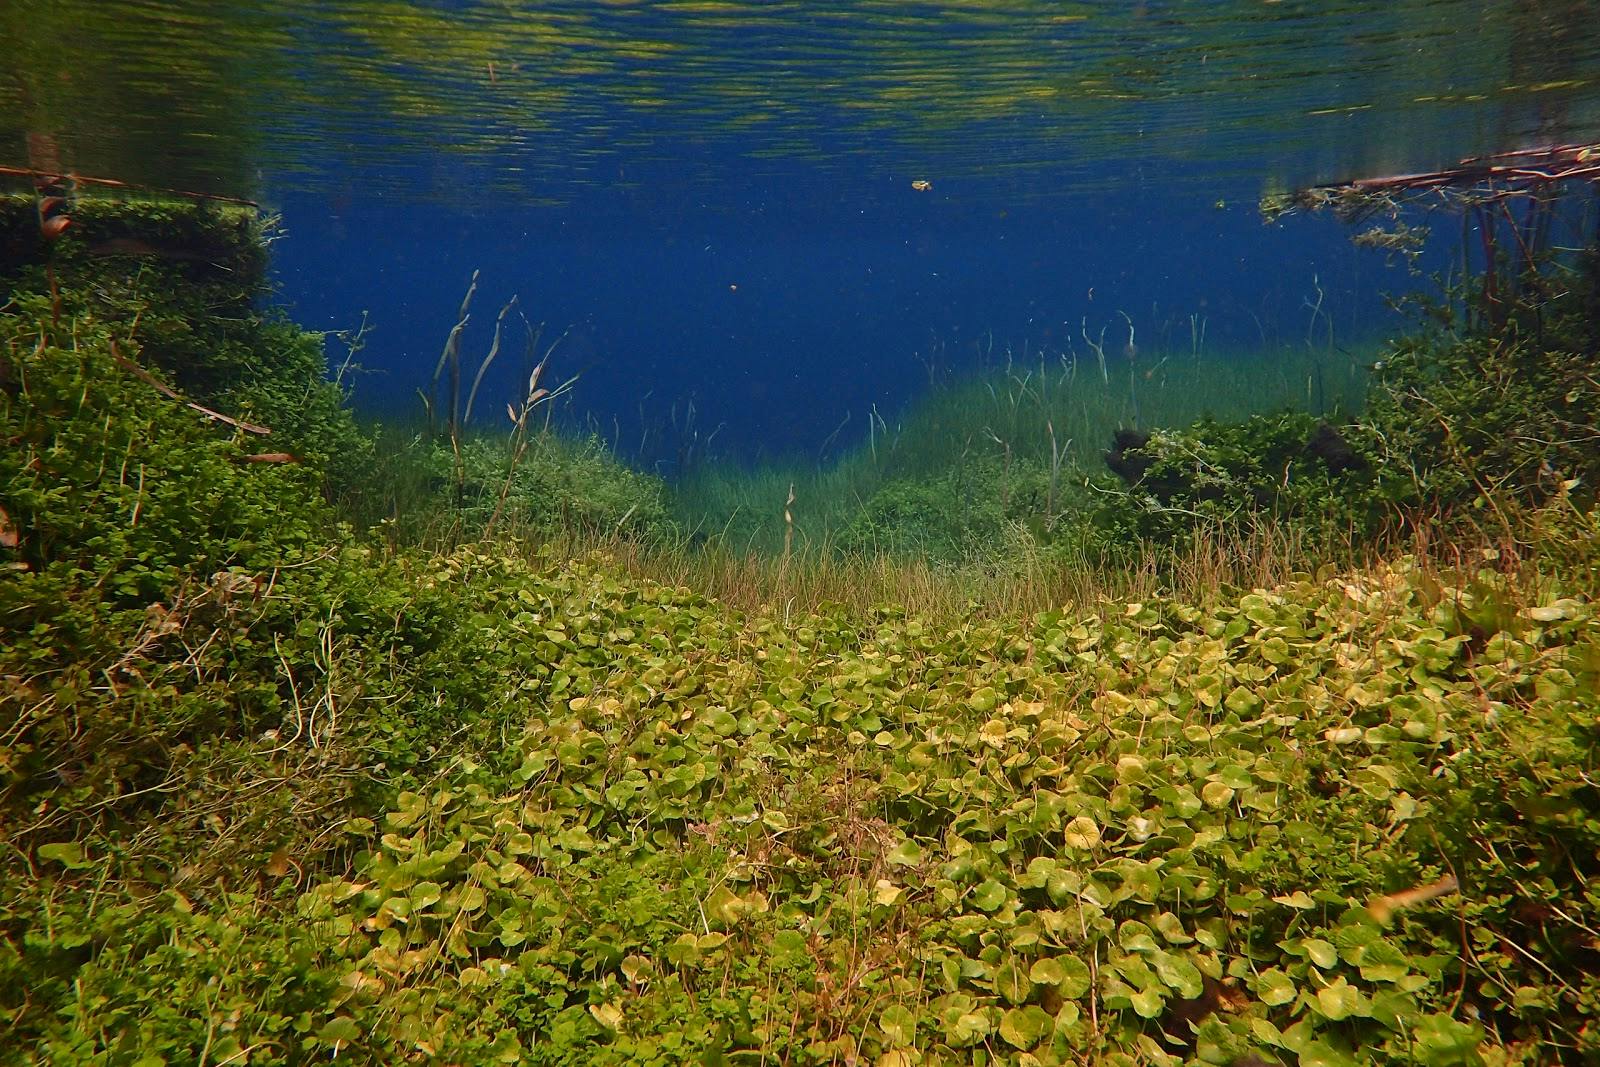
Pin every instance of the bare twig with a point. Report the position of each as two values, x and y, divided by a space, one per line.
167 391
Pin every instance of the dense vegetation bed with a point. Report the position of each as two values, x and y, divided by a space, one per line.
1053 838
275 794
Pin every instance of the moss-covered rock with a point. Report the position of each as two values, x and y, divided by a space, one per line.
185 283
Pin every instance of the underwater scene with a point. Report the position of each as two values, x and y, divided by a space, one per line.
800 532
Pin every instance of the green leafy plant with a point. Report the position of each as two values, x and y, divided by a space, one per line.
972 510
537 485
1508 411
186 286
273 796
1290 468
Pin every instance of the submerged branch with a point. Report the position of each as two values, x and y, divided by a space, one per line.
172 394
1475 179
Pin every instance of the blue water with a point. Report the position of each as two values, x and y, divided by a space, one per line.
714 201
777 324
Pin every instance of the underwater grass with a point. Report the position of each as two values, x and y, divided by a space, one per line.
539 482
1026 580
753 558
1219 560
1055 415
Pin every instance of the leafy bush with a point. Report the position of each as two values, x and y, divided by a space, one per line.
1510 410
1504 411
1289 467
192 657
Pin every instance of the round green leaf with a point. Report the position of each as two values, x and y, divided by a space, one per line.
1274 988
966 1028
1382 962
1047 972
341 1030
1338 999
1147 1002
1177 974
1082 832
989 896
1170 927
1025 1027
1440 1040
906 854
1076 982
67 853
1321 952
899 1024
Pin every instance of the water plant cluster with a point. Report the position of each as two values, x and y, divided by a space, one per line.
987 467
281 782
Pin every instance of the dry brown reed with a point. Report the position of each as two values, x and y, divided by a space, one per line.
1028 581
1217 562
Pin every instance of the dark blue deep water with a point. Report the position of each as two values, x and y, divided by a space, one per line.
787 213
780 326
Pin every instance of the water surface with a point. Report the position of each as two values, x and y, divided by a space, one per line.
787 211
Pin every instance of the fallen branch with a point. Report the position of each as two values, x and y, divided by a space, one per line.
1479 189
167 391
1383 908
34 174
1477 179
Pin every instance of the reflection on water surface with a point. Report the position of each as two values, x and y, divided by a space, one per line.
540 102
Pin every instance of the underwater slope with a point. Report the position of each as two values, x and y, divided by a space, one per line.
272 796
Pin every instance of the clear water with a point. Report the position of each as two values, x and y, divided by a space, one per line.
797 216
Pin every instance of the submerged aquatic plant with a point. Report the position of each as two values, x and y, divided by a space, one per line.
276 796
534 396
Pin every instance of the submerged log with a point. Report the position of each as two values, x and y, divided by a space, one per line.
1478 179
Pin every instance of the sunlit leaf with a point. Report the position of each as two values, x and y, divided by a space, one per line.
1026 1026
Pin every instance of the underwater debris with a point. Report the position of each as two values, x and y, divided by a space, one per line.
54 192
1475 179
54 226
1383 908
1483 189
133 246
1329 445
35 175
172 394
1130 468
